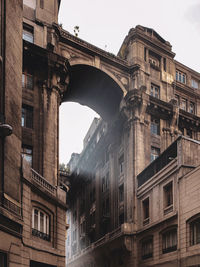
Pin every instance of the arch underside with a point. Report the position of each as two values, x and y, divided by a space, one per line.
94 88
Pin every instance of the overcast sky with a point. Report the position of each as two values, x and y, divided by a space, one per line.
105 23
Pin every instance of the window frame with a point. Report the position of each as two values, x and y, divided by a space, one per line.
181 77
194 240
26 155
26 82
154 155
146 241
28 33
194 83
27 116
38 230
155 126
168 198
146 210
153 92
168 236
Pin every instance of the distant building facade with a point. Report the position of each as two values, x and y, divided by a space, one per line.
134 191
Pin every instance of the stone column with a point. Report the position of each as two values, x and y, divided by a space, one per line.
52 95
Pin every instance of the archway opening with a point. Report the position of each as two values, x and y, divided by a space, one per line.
94 88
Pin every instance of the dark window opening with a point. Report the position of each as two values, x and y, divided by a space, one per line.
164 64
169 241
195 232
145 206
121 193
168 195
147 249
27 116
3 259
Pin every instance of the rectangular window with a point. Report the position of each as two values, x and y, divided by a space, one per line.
194 83
180 77
27 81
192 108
155 152
42 4
27 116
155 126
195 232
28 33
27 154
3 259
177 99
164 64
155 91
169 241
147 249
106 207
145 206
121 164
145 54
168 195
121 193
183 104
30 3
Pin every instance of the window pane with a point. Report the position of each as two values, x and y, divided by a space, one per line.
36 219
27 36
42 222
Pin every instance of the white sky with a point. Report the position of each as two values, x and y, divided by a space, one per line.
105 23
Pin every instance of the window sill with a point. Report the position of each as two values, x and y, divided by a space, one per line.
168 209
40 235
146 257
168 250
146 221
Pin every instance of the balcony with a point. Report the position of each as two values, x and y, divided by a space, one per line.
164 159
43 182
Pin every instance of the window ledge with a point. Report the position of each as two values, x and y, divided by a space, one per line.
40 235
146 221
168 209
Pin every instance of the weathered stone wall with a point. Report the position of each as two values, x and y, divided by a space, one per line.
13 97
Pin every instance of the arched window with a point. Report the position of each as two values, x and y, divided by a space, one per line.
40 224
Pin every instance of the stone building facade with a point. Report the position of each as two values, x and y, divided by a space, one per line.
32 202
146 100
134 191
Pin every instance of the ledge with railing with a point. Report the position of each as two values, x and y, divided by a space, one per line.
42 182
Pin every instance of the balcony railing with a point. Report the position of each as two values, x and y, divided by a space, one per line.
43 182
168 155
